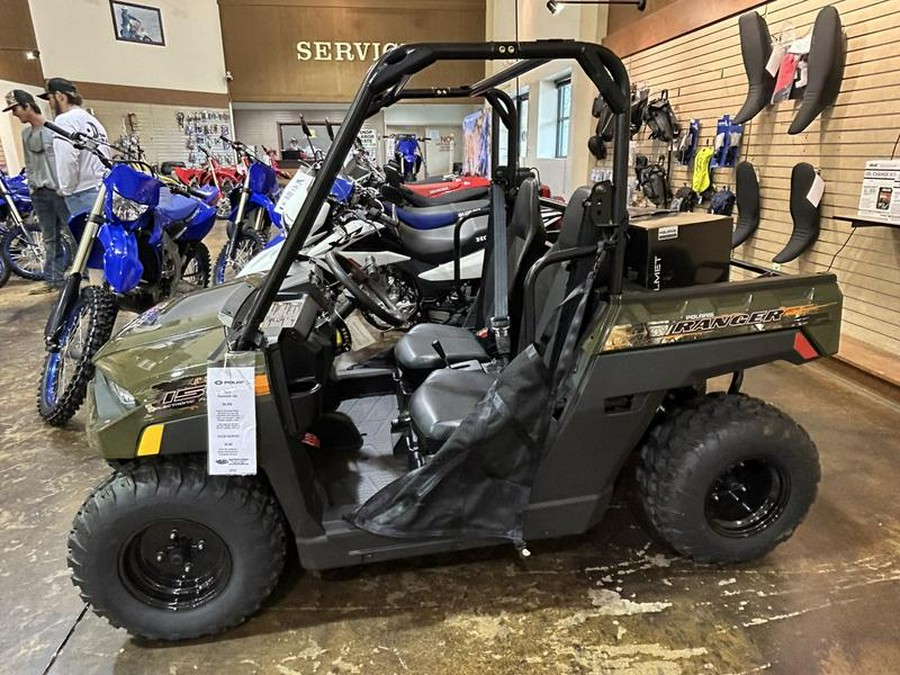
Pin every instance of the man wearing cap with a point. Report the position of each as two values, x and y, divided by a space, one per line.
43 184
80 172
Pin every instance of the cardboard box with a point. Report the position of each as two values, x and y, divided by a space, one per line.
679 249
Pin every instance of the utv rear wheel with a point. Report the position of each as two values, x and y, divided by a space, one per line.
69 367
726 478
168 552
249 243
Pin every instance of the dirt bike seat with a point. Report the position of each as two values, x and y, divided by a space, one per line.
435 245
174 207
443 400
756 50
827 56
805 203
451 197
432 217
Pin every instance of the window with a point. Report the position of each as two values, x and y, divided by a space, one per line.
522 107
563 113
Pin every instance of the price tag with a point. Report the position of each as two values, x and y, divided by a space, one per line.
231 421
292 197
814 196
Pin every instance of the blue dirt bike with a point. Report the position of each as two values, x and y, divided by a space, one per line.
252 214
146 237
21 241
408 155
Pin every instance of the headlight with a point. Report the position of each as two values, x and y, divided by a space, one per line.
125 209
121 393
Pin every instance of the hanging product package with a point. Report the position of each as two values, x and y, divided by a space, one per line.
727 143
701 179
479 483
687 147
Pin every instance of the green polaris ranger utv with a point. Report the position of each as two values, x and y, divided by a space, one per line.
221 411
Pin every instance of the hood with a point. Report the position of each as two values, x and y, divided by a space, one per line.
172 339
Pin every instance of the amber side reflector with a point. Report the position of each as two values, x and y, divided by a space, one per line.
261 385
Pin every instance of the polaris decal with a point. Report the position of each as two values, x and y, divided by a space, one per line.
699 327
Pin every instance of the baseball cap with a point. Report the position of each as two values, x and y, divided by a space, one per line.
18 97
58 85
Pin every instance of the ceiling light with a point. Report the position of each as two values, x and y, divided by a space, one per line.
32 54
556 6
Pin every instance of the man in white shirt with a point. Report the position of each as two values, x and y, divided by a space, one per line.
80 172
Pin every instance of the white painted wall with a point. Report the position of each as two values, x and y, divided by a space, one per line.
535 22
11 128
77 41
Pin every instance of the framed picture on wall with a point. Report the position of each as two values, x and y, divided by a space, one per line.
137 23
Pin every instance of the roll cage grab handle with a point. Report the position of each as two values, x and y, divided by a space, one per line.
383 86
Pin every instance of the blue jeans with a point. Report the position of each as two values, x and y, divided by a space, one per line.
53 215
82 201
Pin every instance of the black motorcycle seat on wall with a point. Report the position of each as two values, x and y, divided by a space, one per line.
431 217
747 187
451 395
806 217
756 50
525 238
436 245
827 54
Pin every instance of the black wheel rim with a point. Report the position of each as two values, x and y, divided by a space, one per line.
175 564
747 498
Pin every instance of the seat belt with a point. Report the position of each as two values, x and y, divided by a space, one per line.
499 320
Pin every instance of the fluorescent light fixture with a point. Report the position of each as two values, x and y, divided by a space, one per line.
32 55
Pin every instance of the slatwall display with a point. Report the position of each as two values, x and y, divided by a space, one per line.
704 74
157 126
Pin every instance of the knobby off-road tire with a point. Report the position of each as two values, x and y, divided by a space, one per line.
94 315
197 253
4 270
726 478
139 530
248 245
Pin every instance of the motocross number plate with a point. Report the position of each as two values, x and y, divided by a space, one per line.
292 197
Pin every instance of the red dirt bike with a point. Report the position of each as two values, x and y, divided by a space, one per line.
225 178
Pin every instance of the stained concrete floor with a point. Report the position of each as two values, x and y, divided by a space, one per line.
612 601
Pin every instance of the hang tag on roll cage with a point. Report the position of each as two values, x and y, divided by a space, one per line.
231 415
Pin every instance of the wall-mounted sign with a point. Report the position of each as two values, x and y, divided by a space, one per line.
342 51
320 50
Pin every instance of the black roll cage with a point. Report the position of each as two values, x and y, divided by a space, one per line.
384 85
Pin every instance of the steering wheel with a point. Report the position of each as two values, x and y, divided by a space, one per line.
370 294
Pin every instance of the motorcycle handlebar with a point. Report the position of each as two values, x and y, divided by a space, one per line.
60 131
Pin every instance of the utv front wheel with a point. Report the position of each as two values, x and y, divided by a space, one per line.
168 552
726 478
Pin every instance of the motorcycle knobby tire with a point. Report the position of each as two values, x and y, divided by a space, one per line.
58 407
250 239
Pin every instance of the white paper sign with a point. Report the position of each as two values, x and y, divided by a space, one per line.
879 198
231 421
292 197
814 196
774 62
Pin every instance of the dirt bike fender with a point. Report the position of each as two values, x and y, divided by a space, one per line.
76 227
264 202
121 262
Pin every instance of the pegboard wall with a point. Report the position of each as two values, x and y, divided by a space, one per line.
162 137
704 74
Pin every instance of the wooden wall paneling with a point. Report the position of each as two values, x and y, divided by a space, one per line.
704 74
16 38
273 72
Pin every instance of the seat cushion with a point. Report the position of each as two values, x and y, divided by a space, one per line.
176 207
427 219
443 401
413 352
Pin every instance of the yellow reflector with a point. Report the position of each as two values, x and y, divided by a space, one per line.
151 439
261 384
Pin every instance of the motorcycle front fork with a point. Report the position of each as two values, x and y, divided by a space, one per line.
69 294
238 221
